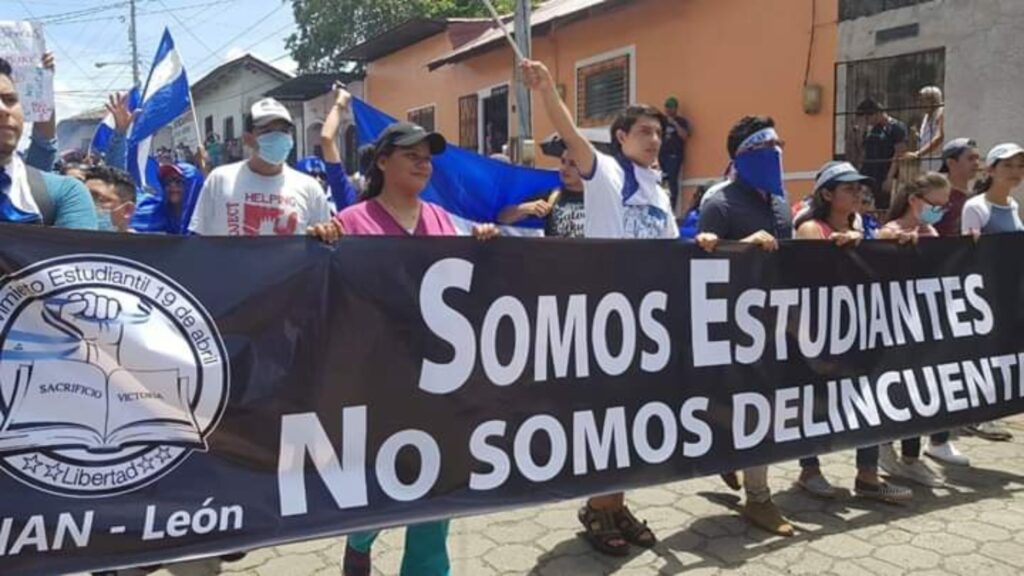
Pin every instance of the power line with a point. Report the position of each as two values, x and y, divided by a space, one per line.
143 13
214 53
58 46
187 29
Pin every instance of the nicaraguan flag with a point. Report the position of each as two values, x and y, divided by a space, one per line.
165 97
105 131
465 183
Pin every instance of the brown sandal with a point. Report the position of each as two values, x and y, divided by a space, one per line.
634 530
600 531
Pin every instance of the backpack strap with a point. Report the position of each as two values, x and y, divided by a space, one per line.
37 186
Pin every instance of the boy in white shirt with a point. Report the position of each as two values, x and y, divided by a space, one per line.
622 199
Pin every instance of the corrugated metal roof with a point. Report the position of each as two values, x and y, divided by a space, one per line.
542 18
309 86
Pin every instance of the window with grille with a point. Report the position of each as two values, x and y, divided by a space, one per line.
424 117
852 9
892 81
602 91
468 118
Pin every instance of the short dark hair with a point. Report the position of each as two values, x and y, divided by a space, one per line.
869 106
629 117
745 128
5 68
122 182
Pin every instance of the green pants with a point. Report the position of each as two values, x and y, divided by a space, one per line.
426 548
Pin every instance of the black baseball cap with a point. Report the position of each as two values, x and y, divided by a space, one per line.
406 134
868 106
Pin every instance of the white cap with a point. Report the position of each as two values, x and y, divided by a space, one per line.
1002 152
267 110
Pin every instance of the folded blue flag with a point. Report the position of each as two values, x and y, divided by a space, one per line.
465 183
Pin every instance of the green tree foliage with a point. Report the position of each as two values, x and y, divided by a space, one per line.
328 27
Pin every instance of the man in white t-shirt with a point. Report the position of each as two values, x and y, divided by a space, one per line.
262 196
622 199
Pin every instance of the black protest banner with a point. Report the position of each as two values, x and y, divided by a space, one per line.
164 398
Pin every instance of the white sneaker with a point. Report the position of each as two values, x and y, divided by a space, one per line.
888 461
947 454
919 472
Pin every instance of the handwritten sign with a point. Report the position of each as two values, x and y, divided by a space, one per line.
22 44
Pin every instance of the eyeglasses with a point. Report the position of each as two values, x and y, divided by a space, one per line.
943 206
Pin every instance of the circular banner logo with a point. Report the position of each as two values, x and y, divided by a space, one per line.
111 374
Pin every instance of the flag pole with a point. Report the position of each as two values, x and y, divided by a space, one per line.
508 35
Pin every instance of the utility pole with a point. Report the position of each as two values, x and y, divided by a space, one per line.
134 41
523 102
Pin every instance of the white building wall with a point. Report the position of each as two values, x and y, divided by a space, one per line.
232 97
984 42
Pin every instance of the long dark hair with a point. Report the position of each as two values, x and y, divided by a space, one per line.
820 208
375 177
985 184
918 187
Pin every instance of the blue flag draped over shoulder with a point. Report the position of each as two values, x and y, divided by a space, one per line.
465 183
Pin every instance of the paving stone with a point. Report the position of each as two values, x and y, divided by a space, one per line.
292 564
976 564
513 557
572 566
978 531
909 557
945 544
842 546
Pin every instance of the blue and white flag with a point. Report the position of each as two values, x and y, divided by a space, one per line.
106 129
466 184
165 98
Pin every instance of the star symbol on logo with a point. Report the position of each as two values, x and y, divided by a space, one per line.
164 454
146 463
31 464
53 470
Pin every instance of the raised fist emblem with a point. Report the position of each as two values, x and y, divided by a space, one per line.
98 321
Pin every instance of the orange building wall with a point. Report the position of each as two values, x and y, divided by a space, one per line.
722 59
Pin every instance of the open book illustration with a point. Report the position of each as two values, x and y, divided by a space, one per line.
61 403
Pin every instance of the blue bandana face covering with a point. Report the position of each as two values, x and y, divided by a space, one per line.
275 147
762 169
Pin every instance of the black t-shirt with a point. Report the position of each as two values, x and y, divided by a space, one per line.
567 218
879 146
739 210
673 147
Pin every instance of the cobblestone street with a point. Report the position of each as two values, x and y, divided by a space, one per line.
972 527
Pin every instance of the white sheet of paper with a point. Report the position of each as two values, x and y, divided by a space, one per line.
23 45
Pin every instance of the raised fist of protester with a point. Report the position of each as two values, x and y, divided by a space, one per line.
485 231
328 232
850 238
342 97
762 239
117 106
707 241
536 75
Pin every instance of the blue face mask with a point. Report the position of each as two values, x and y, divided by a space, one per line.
762 169
274 147
104 223
931 215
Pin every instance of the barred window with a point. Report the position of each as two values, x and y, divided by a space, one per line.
468 120
424 117
602 91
